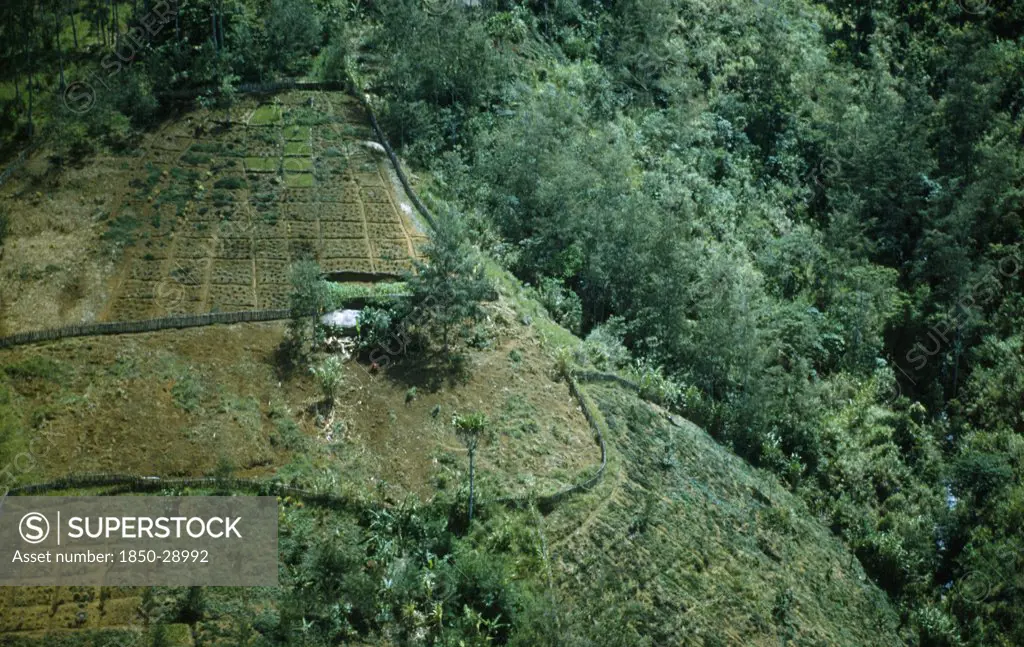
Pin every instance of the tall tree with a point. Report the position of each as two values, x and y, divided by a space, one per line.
308 302
448 288
471 430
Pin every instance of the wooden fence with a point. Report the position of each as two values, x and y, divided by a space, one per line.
145 325
136 483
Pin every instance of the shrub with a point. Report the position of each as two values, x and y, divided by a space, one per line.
229 183
373 327
329 376
562 304
604 348
655 386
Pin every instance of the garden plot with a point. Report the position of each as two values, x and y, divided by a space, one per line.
338 193
226 298
132 289
373 194
129 309
272 249
342 229
380 230
308 211
231 272
347 212
266 115
271 271
214 218
299 248
345 248
188 271
257 164
390 249
298 181
234 248
347 265
272 296
42 609
146 270
381 212
370 179
394 266
193 247
303 228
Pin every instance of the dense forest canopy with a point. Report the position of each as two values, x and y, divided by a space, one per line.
807 215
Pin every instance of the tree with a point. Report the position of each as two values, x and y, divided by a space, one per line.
294 31
308 302
470 429
448 288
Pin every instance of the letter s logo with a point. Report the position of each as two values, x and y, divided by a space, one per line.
34 528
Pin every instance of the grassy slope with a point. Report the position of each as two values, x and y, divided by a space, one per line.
684 543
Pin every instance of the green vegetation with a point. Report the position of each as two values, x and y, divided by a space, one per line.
309 299
329 378
230 183
471 429
298 180
262 164
265 116
796 216
447 289
121 231
796 223
296 149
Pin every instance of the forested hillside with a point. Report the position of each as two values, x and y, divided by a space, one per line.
803 218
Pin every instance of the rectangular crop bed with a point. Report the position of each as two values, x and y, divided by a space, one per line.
187 271
303 229
394 266
272 271
302 247
381 212
384 230
367 179
374 194
130 309
297 149
272 295
390 249
344 192
225 271
262 164
345 248
189 247
266 115
143 270
234 248
307 211
341 229
234 297
297 165
342 211
297 133
272 248
346 265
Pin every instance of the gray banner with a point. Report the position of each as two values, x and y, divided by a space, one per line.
138 541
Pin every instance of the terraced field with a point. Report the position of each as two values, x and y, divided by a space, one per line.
716 553
216 221
206 215
59 608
